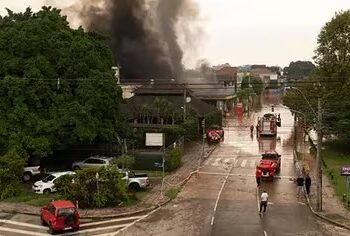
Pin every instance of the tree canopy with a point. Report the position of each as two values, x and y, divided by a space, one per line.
330 81
299 69
56 85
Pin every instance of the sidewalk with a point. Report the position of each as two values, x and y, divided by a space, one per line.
151 201
332 207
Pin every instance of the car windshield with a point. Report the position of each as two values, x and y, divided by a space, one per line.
65 211
49 178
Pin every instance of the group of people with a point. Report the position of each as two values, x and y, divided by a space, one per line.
300 185
252 129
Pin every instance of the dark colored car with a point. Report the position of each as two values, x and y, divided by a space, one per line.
60 215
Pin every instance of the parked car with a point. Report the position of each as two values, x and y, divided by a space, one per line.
135 181
29 172
215 134
47 185
60 215
92 162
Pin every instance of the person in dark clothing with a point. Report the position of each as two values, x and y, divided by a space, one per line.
258 174
307 184
300 185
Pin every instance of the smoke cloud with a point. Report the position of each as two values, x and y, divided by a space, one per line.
144 35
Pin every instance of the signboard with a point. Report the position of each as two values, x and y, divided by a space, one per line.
154 139
345 171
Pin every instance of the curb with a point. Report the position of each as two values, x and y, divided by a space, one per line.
324 217
309 204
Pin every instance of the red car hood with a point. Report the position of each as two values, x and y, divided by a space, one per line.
267 165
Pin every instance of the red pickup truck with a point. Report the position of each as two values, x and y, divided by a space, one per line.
60 215
270 164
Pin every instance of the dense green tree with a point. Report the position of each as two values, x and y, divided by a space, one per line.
255 82
330 80
56 85
299 69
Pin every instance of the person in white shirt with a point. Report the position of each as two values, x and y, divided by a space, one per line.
263 201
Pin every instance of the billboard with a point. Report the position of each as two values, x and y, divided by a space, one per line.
154 139
345 171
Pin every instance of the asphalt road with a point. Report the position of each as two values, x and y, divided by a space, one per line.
223 198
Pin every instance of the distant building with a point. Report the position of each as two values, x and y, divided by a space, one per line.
227 76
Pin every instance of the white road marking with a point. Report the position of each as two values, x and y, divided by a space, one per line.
216 162
235 163
94 229
258 198
253 163
227 161
265 234
212 220
244 162
19 231
12 222
110 221
131 224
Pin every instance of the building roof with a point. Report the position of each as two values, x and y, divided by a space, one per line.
260 71
227 71
175 96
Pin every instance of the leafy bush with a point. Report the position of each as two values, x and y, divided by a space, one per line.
11 171
124 162
190 128
173 159
213 118
109 190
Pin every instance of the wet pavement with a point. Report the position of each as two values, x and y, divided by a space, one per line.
223 198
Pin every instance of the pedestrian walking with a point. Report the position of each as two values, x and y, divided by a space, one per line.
307 184
300 185
263 201
258 174
251 129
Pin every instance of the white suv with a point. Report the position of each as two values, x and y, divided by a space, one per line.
29 172
47 185
92 162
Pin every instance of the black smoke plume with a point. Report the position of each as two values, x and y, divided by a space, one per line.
143 34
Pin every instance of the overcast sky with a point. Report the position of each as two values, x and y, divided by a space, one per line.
272 32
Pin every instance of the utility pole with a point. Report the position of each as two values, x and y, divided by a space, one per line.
319 158
185 97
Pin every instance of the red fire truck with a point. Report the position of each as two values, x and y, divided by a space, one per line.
267 125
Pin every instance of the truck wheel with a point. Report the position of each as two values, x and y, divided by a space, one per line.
134 186
43 223
46 191
76 168
51 230
26 176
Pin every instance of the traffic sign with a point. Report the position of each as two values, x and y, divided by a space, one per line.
345 171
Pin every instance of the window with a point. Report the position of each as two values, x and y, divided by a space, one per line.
51 209
65 211
49 178
92 161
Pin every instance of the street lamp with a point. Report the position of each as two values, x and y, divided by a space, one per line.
318 117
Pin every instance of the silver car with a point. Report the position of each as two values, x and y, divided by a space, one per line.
92 162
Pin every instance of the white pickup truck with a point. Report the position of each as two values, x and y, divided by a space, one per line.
135 181
29 172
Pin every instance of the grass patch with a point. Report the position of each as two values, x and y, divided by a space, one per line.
172 193
334 160
33 199
152 173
